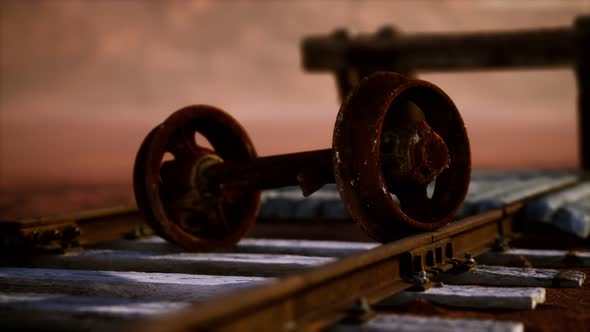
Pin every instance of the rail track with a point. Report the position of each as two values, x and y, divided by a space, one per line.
261 284
72 272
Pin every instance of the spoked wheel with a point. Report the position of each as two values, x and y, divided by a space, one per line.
383 146
172 190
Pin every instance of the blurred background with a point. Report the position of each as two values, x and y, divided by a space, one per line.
82 83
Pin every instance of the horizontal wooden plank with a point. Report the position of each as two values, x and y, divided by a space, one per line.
62 322
304 247
402 323
132 285
487 190
522 190
314 230
297 298
240 264
289 203
61 312
494 189
474 297
152 244
538 258
513 276
544 208
574 217
317 248
106 307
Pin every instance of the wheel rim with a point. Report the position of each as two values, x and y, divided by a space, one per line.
357 161
157 189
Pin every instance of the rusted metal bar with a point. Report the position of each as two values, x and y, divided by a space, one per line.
352 58
310 170
312 300
68 231
442 52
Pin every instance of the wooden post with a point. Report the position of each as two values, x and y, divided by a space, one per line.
582 27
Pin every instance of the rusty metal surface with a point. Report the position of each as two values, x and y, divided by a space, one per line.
314 299
208 199
175 198
309 170
362 172
69 231
25 235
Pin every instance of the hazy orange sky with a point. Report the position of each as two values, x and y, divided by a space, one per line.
82 82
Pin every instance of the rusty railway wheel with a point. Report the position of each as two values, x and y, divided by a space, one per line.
369 168
171 188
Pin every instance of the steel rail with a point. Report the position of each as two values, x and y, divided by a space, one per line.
314 299
68 231
309 300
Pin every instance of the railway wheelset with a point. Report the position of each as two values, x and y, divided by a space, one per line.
393 136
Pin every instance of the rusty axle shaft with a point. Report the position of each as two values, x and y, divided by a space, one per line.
310 170
412 158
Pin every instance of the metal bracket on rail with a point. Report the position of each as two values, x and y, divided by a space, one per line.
52 238
422 265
